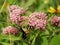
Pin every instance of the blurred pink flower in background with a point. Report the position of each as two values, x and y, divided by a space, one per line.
10 30
56 21
38 20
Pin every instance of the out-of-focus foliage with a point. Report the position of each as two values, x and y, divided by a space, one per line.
49 37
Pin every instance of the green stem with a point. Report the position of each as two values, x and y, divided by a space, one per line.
35 38
10 39
3 5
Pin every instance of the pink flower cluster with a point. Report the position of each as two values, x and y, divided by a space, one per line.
38 20
10 30
56 21
15 10
15 14
23 18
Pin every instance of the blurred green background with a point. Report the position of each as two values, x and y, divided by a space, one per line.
32 5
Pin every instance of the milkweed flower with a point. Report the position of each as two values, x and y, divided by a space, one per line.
38 20
41 24
10 30
15 9
56 21
15 18
40 15
15 14
18 19
23 19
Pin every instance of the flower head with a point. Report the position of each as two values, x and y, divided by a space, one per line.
10 30
15 18
15 14
15 9
56 21
41 24
40 15
23 19
38 20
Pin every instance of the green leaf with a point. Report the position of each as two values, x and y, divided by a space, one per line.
55 40
35 37
29 3
10 1
38 40
24 43
45 41
3 43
